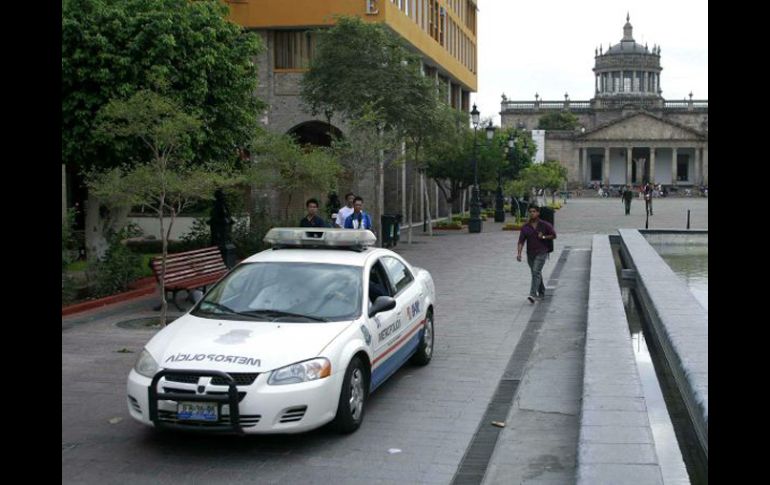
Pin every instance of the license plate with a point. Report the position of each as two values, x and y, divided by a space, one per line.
197 411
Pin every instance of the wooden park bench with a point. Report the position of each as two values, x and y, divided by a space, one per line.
190 270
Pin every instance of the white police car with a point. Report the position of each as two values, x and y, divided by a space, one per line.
292 338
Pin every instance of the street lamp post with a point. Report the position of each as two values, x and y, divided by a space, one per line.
474 224
499 202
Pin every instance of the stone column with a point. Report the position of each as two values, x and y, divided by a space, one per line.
606 168
652 165
622 86
629 166
696 177
596 83
673 166
705 173
583 169
644 81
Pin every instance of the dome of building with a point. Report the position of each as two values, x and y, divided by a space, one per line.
628 69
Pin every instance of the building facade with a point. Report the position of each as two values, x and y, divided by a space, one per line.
627 133
442 32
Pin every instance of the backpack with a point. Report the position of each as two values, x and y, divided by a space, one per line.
548 244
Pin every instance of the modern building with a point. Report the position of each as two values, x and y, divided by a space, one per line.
442 32
628 133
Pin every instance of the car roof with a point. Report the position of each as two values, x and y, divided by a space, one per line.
324 256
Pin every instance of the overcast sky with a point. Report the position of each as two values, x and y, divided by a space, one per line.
547 47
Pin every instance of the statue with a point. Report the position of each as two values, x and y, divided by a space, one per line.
221 223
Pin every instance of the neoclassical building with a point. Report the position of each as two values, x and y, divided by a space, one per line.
628 133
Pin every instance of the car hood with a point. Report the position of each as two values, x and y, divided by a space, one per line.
197 343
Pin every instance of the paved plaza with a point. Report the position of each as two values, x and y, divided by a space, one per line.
431 414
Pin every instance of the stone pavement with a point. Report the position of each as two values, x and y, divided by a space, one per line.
430 413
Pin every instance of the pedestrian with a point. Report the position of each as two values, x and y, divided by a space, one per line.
628 196
358 219
648 198
539 236
347 210
312 219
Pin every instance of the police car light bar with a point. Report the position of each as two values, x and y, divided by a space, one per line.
323 237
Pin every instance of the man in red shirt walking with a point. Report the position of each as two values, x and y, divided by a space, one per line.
539 236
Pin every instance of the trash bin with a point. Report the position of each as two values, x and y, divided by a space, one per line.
547 214
391 229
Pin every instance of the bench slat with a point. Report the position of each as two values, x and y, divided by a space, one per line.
190 269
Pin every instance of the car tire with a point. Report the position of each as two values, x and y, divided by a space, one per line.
353 396
425 347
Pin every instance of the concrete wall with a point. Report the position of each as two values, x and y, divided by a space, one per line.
616 443
679 322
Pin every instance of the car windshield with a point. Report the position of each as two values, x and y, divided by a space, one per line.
286 291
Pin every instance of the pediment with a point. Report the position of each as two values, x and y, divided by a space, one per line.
641 126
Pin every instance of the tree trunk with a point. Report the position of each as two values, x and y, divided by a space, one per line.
427 209
98 224
377 222
462 202
411 207
164 240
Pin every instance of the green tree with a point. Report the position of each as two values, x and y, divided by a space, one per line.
364 71
548 176
189 51
280 163
166 181
186 51
561 120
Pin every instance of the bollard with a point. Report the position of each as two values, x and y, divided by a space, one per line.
647 221
688 218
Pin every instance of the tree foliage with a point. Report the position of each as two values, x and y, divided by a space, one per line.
561 120
187 51
165 181
361 68
280 163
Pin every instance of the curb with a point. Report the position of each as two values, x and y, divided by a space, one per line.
108 300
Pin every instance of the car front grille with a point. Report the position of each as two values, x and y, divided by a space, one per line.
241 394
240 378
292 415
246 420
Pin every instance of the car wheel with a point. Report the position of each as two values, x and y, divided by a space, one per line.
425 347
350 410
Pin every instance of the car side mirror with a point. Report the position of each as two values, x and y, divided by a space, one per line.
382 304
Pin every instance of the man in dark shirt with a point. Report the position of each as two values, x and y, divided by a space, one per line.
312 219
539 236
628 196
648 198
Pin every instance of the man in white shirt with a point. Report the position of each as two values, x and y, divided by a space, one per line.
344 212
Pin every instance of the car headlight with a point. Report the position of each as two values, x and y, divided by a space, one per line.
310 370
146 365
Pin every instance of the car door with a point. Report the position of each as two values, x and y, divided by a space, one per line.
383 325
408 303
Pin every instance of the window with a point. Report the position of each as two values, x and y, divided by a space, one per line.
400 277
293 49
378 283
596 167
682 165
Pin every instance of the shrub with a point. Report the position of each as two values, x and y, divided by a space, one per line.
199 236
448 225
68 256
119 267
